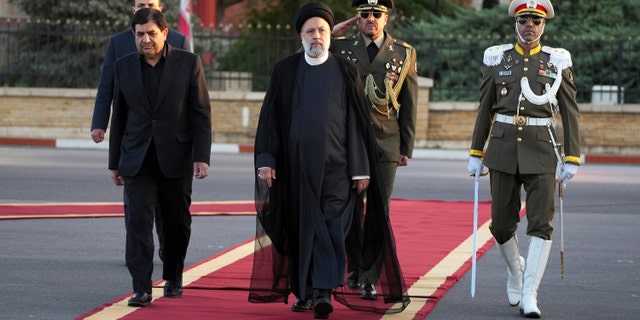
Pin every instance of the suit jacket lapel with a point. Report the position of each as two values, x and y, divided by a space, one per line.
360 50
384 55
170 68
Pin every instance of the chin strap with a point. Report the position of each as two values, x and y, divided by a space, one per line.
525 41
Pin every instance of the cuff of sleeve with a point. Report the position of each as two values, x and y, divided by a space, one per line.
476 153
265 160
572 159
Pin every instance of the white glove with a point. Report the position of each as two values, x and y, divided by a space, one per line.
568 171
475 166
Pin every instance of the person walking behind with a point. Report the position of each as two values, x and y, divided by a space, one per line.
388 67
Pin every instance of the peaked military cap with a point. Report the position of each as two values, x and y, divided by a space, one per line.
542 8
372 5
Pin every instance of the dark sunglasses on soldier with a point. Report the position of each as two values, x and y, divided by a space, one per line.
535 19
365 14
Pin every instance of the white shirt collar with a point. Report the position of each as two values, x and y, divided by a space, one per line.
315 61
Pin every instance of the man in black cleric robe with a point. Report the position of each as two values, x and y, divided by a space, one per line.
314 133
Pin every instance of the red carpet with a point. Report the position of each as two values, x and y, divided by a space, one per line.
111 209
433 241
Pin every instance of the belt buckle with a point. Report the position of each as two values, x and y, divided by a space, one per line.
521 120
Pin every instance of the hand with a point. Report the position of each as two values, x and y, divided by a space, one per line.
267 174
568 171
200 170
97 135
404 160
475 166
116 178
342 27
360 185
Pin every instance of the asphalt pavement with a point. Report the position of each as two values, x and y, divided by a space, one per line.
63 268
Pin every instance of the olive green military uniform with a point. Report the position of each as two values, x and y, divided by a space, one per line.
391 89
520 149
394 114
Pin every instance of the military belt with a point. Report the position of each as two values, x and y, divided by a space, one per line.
522 120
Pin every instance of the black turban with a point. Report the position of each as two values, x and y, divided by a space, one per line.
310 10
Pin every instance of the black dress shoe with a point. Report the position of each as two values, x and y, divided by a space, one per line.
369 292
352 281
173 289
139 299
322 307
302 305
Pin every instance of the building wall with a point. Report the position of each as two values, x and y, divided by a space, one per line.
9 11
66 113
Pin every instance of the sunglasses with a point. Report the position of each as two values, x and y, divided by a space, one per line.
524 19
365 14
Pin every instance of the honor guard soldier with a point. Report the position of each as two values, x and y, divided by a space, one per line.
389 70
524 85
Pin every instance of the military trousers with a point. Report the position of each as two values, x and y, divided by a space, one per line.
506 190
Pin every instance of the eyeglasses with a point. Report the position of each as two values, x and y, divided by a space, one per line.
365 14
524 19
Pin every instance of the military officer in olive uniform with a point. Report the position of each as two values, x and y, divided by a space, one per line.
389 70
524 86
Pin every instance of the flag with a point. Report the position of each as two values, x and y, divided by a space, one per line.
185 21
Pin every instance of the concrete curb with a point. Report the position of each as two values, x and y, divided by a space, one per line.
231 148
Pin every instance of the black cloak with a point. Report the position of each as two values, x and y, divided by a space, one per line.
274 227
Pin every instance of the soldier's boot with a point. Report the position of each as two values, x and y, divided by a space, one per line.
536 262
515 269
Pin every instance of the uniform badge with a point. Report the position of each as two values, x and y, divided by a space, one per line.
547 73
504 73
503 92
507 66
390 47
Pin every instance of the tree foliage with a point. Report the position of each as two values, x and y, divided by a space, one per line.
61 29
266 16
450 48
67 40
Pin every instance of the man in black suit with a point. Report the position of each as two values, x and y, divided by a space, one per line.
120 45
160 139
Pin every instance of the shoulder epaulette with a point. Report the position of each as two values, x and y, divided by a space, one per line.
493 55
559 57
402 43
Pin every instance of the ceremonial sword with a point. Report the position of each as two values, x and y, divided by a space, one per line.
556 148
476 191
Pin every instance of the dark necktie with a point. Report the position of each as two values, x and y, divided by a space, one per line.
372 50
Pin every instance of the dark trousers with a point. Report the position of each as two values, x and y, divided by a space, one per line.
144 192
158 220
354 241
506 203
